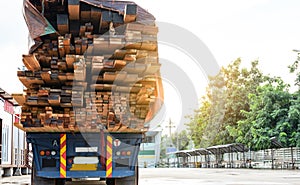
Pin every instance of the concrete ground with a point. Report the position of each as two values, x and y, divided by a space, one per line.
193 176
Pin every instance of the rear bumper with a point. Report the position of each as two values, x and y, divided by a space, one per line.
86 174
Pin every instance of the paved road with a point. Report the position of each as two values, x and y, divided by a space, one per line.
218 177
189 176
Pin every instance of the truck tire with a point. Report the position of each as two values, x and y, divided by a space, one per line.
60 181
110 181
133 180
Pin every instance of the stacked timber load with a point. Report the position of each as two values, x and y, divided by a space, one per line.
93 66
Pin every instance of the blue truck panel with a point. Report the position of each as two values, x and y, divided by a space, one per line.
46 150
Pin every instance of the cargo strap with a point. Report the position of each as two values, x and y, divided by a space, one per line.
109 156
63 155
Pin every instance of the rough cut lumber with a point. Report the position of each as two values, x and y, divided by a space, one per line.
85 13
62 23
92 75
73 8
31 63
130 13
20 98
96 18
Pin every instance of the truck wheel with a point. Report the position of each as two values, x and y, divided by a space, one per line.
35 180
133 180
110 181
60 182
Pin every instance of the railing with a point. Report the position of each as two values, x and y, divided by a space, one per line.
15 157
270 158
22 157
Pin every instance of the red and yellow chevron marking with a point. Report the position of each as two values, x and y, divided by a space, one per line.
63 155
109 157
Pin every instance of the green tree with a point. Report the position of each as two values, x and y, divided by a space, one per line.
294 112
294 68
273 113
227 95
181 140
240 82
163 147
198 123
294 115
206 122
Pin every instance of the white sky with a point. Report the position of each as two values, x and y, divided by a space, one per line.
267 30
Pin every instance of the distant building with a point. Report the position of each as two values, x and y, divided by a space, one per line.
150 150
12 139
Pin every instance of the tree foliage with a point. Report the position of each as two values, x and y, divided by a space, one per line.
244 105
273 113
227 94
181 140
294 68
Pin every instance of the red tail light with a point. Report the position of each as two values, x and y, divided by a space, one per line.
70 161
48 153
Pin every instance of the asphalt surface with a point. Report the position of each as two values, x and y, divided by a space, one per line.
192 176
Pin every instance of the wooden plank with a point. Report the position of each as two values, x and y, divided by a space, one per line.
96 18
149 45
130 13
54 99
74 27
70 59
62 23
117 19
119 64
20 98
74 9
46 76
31 62
85 13
135 26
150 30
152 69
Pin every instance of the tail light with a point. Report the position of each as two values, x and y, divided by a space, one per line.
48 153
53 153
70 161
42 153
123 153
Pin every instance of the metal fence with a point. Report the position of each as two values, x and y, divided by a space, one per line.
282 158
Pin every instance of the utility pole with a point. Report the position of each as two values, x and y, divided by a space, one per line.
170 126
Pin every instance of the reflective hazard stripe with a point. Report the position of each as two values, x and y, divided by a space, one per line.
63 155
109 157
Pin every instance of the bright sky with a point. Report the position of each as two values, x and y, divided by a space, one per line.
267 30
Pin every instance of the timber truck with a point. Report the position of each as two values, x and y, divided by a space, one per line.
91 87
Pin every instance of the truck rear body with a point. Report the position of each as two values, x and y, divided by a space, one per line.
87 154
